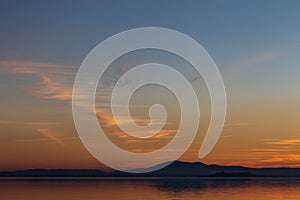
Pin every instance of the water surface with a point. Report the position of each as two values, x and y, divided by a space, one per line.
150 189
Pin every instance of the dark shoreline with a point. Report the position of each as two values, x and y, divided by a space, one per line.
177 169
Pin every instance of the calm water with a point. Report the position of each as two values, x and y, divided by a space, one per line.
157 189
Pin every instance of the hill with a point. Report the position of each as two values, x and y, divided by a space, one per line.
176 169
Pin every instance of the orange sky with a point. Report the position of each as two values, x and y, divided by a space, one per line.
255 45
37 129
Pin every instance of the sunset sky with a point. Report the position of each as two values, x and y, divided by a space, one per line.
255 44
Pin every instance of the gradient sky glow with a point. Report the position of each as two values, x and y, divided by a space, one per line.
256 45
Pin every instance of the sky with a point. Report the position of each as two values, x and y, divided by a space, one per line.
255 44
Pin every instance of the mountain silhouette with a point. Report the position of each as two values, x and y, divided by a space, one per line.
175 169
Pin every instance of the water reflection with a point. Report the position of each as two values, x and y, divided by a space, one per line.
158 189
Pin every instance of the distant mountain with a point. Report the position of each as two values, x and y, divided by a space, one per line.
176 169
198 169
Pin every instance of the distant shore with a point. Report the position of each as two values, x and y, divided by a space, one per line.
177 169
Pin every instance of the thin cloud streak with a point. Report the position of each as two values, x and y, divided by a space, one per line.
250 61
71 138
33 67
276 153
283 142
49 89
110 125
50 135
243 64
28 123
55 79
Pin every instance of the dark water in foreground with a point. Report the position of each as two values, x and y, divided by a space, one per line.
157 189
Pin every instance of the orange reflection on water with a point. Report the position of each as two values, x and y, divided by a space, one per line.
150 189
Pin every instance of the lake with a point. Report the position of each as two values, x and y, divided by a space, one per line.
150 189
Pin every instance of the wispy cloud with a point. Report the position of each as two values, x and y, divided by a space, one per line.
27 123
249 62
44 128
47 139
243 64
50 89
238 124
116 134
55 80
50 135
288 159
276 153
263 150
282 142
36 67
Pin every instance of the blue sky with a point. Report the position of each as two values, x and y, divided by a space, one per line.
255 44
65 31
